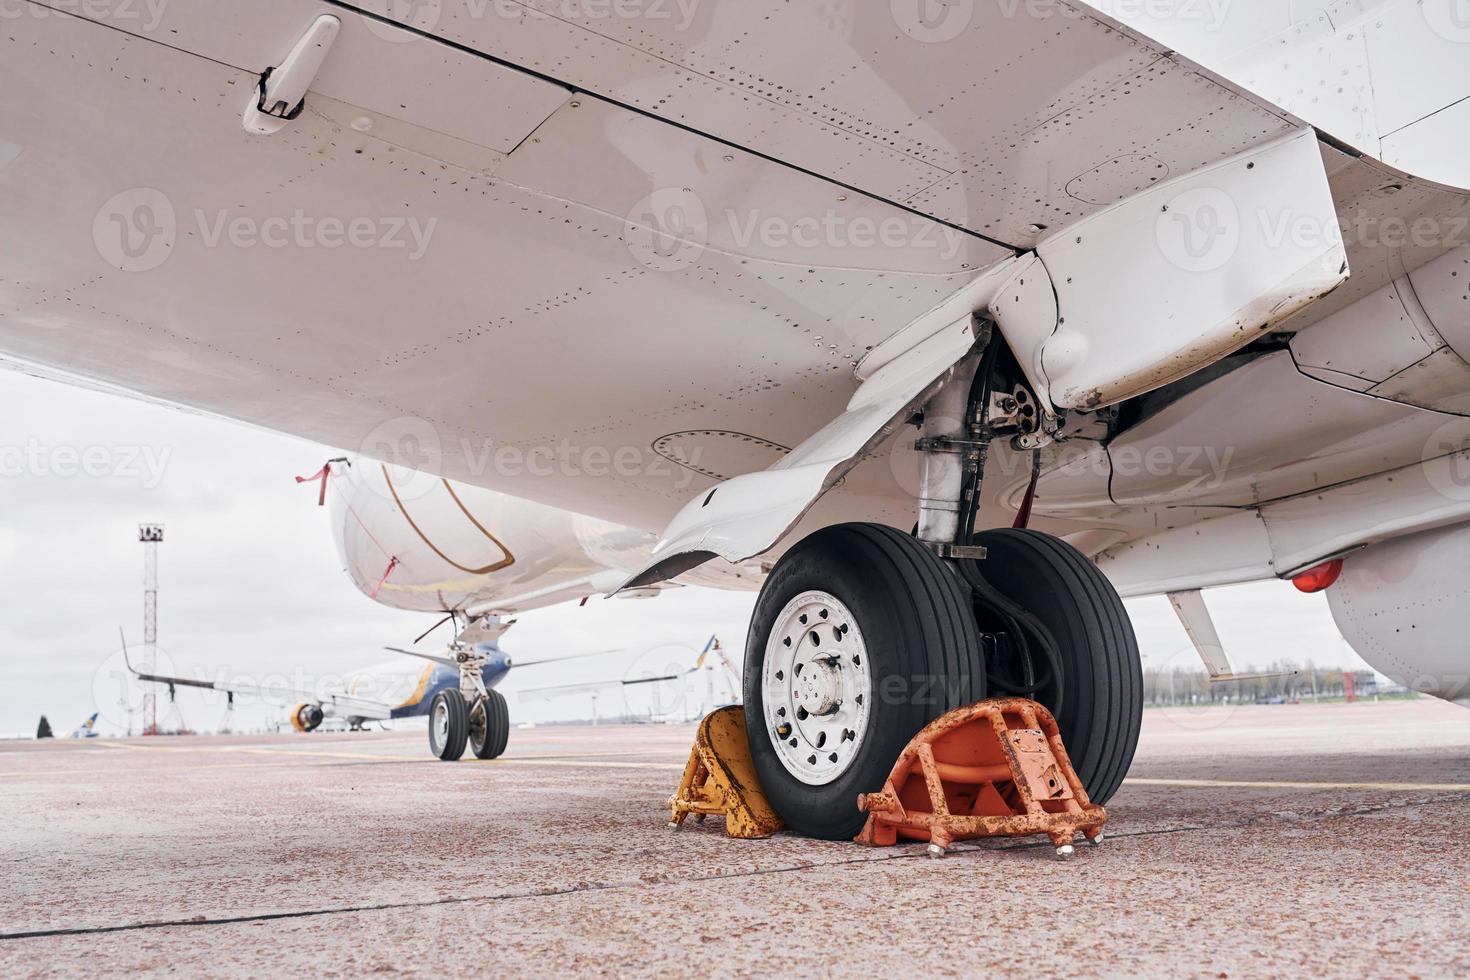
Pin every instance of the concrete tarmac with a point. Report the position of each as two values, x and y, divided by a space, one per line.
1259 841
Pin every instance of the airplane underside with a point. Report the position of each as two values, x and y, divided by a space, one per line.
842 303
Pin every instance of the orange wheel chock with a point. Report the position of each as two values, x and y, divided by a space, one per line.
994 769
720 778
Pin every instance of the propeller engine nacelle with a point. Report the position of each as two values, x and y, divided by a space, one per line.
306 717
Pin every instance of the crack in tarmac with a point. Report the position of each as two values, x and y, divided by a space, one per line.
967 847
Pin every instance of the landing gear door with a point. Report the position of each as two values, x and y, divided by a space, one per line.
1175 277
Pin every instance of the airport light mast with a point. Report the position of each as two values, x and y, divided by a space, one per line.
152 536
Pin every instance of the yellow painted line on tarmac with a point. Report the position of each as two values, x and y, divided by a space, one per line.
589 764
103 744
20 773
560 763
1289 784
315 754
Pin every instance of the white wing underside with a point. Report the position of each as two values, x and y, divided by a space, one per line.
513 290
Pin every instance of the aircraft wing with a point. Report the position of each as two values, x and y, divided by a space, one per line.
346 705
612 266
554 691
549 692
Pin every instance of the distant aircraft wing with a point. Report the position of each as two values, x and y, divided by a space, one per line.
567 690
549 692
423 656
345 704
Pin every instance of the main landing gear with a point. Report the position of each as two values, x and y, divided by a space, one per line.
456 722
863 634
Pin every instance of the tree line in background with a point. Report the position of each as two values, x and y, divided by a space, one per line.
1285 681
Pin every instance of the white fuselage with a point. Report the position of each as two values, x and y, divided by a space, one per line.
416 541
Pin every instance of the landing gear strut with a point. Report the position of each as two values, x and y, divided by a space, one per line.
863 634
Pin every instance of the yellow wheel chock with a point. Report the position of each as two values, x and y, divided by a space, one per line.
720 778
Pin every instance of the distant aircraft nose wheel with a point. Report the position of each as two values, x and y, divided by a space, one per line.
859 638
1062 638
489 726
449 725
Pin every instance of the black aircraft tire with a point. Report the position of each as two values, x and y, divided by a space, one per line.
1102 688
490 732
913 617
449 725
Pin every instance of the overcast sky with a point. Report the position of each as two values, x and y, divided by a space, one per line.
250 584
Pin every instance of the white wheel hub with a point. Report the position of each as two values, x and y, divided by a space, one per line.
816 687
441 723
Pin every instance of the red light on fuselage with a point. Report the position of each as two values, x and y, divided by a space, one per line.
1318 577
